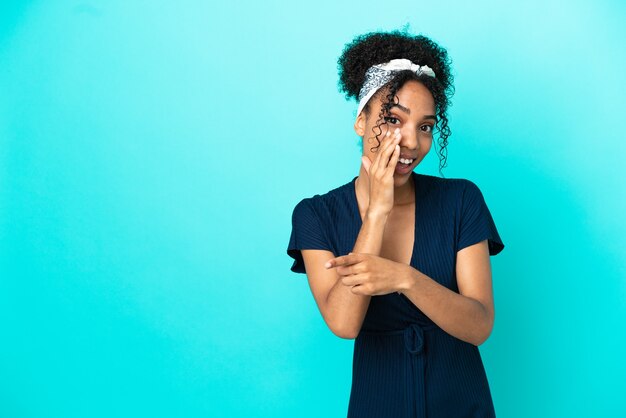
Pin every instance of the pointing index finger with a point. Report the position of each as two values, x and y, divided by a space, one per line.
342 261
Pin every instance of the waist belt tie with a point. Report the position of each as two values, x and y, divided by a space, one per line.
415 365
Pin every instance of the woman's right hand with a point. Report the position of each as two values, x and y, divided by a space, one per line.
380 174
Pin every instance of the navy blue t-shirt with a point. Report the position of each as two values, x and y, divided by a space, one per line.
404 365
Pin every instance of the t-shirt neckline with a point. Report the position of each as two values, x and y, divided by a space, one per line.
355 207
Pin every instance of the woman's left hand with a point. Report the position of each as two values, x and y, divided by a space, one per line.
372 275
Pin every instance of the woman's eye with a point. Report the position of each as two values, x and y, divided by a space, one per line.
387 118
428 129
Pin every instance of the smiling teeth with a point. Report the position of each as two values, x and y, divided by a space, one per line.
405 161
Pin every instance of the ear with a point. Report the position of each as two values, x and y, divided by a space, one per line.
359 124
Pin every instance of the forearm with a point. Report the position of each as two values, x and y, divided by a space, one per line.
460 316
349 309
370 239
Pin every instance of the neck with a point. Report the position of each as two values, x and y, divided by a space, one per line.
402 195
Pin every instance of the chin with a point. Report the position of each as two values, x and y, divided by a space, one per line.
399 180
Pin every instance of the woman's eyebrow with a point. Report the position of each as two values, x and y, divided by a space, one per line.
407 110
404 109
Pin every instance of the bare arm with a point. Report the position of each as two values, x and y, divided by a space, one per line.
467 315
342 309
347 307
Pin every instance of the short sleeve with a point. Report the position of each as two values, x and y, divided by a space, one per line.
306 233
476 223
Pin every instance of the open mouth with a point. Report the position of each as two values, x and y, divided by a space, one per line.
403 167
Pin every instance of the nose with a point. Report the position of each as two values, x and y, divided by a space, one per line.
408 138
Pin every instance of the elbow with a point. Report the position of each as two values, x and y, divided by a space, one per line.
480 340
484 334
349 335
342 324
344 331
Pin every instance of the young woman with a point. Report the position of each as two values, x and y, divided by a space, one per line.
397 260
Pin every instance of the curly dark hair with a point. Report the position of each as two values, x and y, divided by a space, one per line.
378 47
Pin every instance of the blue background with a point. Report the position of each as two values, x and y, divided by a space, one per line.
151 154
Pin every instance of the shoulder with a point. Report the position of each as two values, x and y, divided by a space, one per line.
456 183
448 188
467 190
467 194
326 203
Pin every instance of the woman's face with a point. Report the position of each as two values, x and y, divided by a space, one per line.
414 115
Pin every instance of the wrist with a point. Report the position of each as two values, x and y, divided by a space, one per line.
375 215
410 280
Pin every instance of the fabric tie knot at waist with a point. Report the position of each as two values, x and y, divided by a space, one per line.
415 374
414 364
414 339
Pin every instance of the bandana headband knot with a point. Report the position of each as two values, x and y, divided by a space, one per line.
378 75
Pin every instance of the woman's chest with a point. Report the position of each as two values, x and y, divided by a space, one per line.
399 235
421 236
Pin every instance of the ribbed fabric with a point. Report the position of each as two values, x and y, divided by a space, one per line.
404 365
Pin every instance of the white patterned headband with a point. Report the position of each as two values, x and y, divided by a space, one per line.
378 75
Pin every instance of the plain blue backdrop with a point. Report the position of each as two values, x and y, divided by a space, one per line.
151 154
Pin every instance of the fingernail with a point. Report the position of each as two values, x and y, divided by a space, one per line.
327 265
397 130
397 147
388 132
